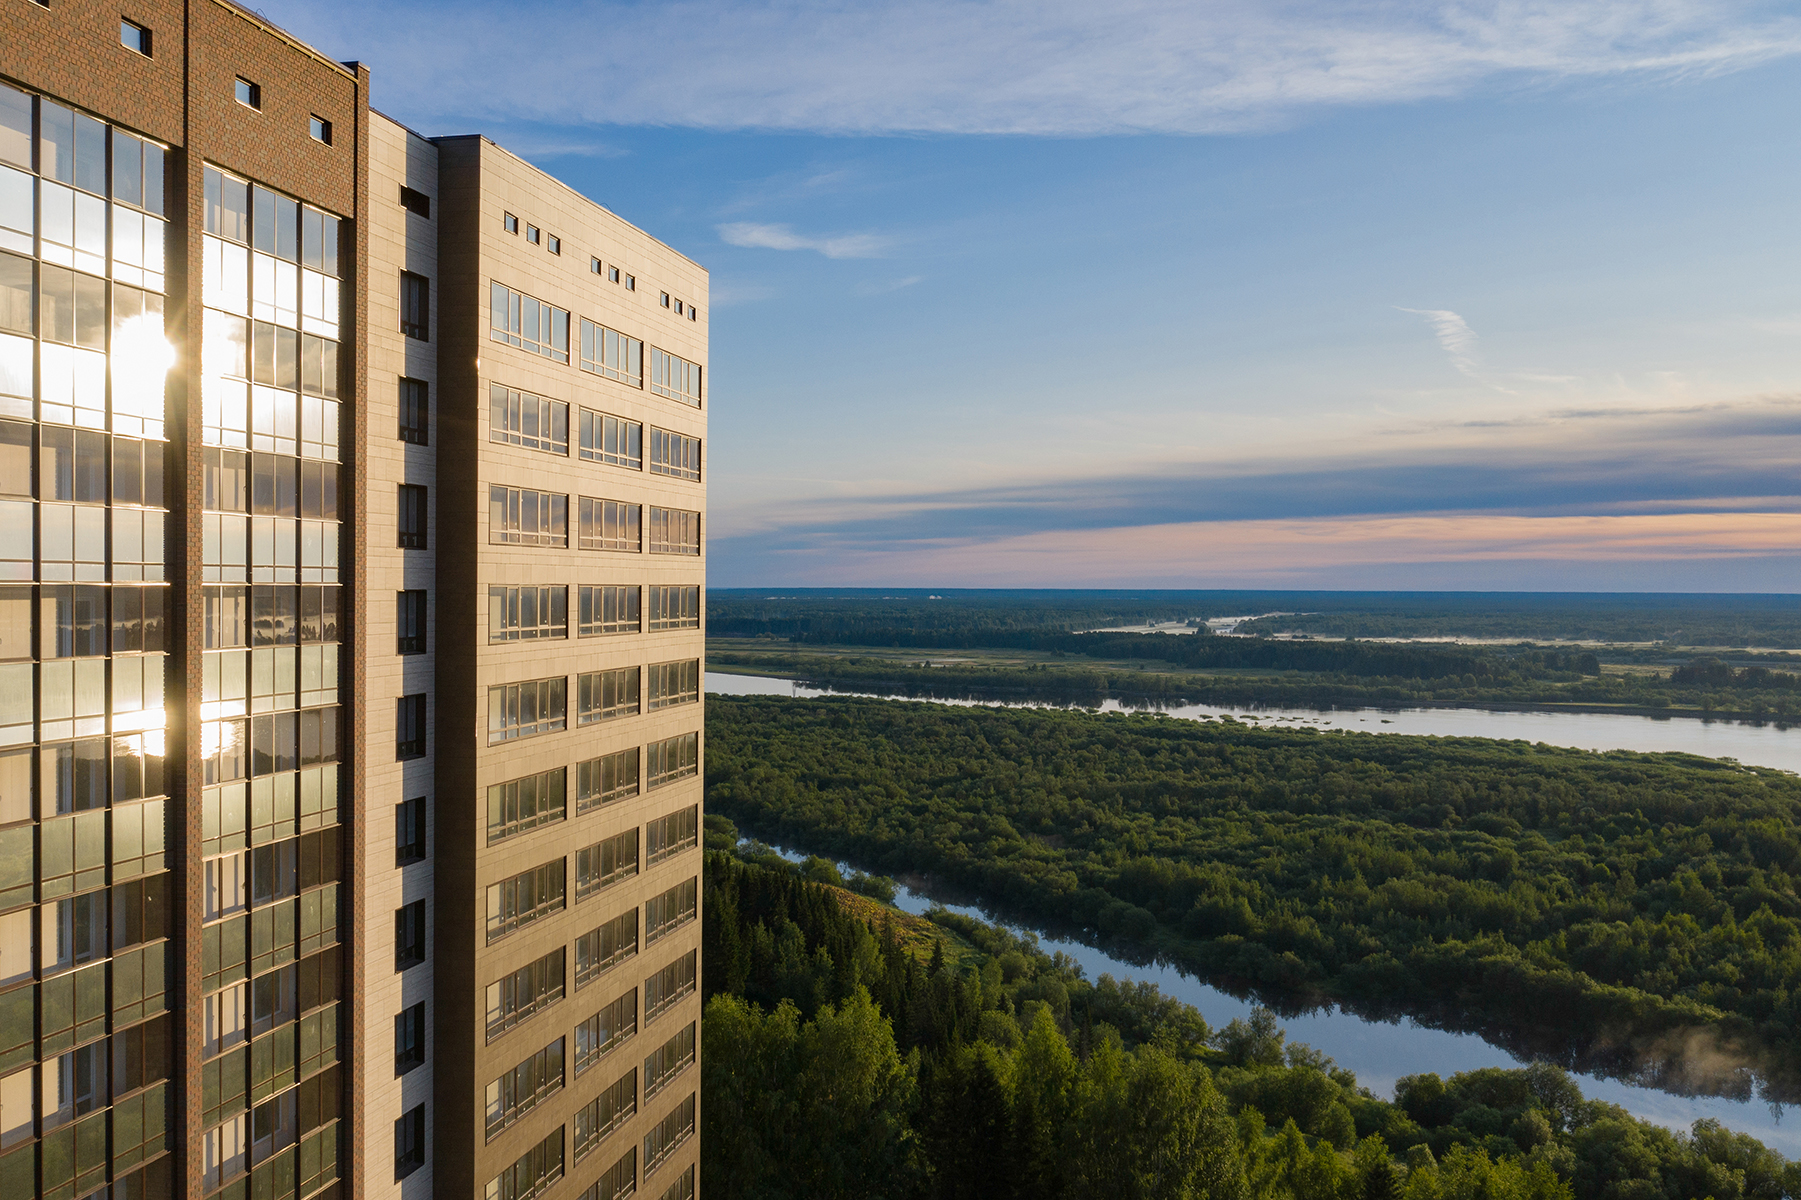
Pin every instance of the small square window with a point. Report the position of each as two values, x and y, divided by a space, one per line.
134 37
594 265
554 244
320 128
631 283
250 95
678 308
612 274
510 222
693 312
665 296
531 234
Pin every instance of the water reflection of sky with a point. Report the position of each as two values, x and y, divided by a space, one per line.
1381 1052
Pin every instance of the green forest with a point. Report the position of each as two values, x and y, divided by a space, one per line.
1606 910
842 1058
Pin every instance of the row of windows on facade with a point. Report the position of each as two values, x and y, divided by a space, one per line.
523 419
537 327
539 706
534 613
612 272
541 1167
73 148
526 517
541 1075
535 894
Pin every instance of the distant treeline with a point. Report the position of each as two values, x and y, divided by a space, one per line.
1778 628
1595 904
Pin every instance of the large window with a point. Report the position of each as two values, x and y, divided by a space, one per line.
604 695
522 419
673 606
605 1030
669 835
619 1180
608 525
673 683
673 531
519 1090
605 947
670 911
525 614
609 608
520 995
532 325
611 353
517 902
523 517
606 1113
668 1060
609 439
671 1132
533 1174
517 710
674 377
521 804
605 863
667 987
671 759
606 779
415 306
674 454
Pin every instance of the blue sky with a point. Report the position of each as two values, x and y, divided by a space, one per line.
1496 295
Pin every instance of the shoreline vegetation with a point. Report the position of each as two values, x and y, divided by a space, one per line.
853 1049
1629 914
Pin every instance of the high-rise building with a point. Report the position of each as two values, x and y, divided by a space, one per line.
351 593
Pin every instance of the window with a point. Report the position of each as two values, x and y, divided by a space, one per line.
693 313
605 863
517 710
409 1039
410 623
668 836
522 994
529 323
516 902
531 234
673 683
665 298
673 606
415 412
609 439
415 306
522 804
674 454
250 95
606 1030
601 949
409 1142
667 913
409 736
554 244
134 37
609 608
668 1060
674 377
606 1113
412 516
611 353
631 283
409 831
320 129
415 201
523 517
527 614
509 222
522 419
671 1132
409 935
671 759
606 779
664 989
604 695
679 310
535 1171
519 1090
682 1188
612 274
608 525
674 531
594 265
619 1180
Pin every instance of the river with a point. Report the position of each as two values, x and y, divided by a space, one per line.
1380 1052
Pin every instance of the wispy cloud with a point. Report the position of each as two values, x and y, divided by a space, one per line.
884 286
1044 67
782 237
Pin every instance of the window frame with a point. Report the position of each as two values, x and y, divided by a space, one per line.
415 306
143 46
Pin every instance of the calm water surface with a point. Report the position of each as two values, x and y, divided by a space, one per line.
1381 1052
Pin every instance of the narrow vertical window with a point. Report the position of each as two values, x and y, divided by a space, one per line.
409 1142
409 831
510 223
415 306
415 412
409 935
412 516
410 733
410 622
409 1039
